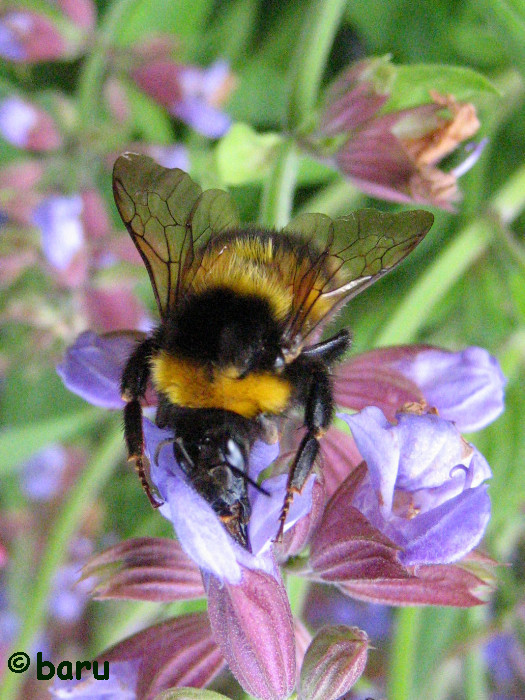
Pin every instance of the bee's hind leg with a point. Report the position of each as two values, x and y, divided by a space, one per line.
319 408
135 444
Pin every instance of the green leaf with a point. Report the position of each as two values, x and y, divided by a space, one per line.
185 20
412 85
18 443
190 694
243 156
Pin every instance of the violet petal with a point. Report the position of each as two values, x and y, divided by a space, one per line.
379 446
466 387
92 366
446 533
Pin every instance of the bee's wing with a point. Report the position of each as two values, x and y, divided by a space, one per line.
356 250
168 217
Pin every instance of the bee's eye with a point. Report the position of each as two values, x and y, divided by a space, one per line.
233 455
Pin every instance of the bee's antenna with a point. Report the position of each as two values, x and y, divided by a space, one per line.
245 476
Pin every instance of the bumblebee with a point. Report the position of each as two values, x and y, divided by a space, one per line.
242 311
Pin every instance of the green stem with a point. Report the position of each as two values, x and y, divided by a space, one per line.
403 654
474 676
413 311
277 201
61 533
337 198
94 67
322 21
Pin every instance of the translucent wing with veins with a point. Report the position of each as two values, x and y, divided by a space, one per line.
169 218
355 251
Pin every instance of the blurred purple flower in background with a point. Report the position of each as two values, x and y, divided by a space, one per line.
42 474
30 37
189 93
60 223
26 126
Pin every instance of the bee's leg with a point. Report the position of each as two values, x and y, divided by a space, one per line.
133 386
329 350
319 408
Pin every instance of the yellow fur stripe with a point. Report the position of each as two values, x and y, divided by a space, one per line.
189 384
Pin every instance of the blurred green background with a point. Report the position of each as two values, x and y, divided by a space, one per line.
464 285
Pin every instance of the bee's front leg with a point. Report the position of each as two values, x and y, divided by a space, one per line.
133 387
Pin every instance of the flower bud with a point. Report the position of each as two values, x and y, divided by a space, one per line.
334 661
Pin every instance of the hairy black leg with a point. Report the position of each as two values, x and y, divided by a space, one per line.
329 350
319 407
136 372
133 386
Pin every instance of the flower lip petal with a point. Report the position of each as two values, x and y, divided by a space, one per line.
447 533
438 506
264 521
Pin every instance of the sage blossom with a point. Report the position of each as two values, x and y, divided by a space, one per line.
396 155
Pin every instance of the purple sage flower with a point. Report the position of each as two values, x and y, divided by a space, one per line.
26 126
59 220
189 93
395 155
466 387
425 488
29 37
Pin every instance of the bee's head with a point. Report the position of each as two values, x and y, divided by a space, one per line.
213 449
